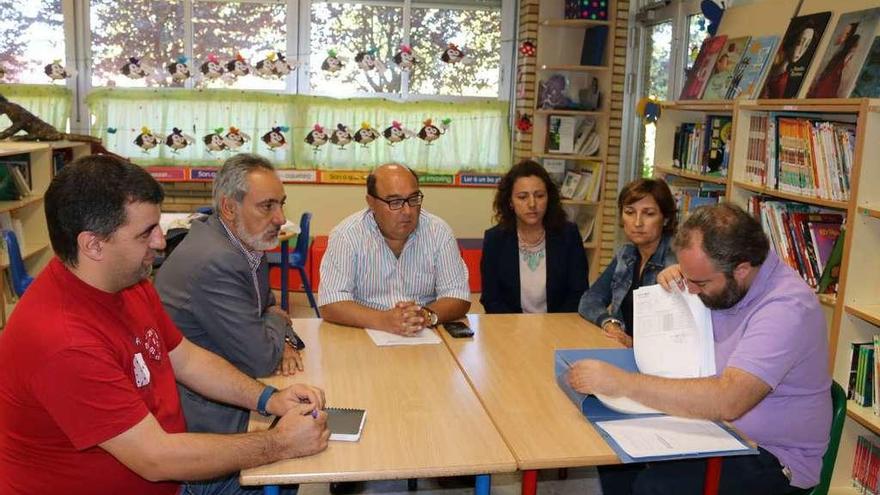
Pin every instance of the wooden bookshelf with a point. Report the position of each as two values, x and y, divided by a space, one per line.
868 312
573 23
554 32
766 191
691 175
871 211
29 211
864 416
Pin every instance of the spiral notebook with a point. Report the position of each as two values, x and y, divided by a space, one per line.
345 424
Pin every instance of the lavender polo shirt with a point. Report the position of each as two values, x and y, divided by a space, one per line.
777 332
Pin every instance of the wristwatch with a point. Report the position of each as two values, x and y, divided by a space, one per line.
293 340
433 318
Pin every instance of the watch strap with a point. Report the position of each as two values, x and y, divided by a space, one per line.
263 401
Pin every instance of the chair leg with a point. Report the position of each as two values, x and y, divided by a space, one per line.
308 287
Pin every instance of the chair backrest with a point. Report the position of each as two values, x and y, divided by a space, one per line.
838 417
302 240
20 279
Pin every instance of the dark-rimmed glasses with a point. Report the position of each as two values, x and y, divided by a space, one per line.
396 204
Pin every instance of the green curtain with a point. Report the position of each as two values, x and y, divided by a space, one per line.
48 102
477 137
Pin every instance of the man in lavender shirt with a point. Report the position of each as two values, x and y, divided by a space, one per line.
771 347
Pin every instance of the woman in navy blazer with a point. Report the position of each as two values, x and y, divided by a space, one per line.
532 241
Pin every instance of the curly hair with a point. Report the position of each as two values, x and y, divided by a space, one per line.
730 236
554 218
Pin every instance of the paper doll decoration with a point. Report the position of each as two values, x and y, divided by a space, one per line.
212 69
179 70
396 133
333 63
274 65
214 141
341 136
405 58
431 132
177 140
366 134
238 67
452 54
317 137
235 139
133 69
367 61
56 71
146 140
274 139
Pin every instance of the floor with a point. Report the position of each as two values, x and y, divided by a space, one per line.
581 481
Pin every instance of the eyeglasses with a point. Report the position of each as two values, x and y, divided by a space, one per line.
396 204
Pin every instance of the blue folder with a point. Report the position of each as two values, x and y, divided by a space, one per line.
594 411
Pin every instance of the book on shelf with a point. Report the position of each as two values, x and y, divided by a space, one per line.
21 182
698 75
593 49
587 141
570 184
868 81
561 134
831 271
15 173
749 73
703 147
725 67
691 194
555 168
584 218
792 229
594 11
845 54
852 376
866 464
794 55
801 154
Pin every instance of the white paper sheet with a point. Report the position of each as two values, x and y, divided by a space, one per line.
672 333
424 336
668 435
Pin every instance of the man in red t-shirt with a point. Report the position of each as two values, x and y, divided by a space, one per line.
88 400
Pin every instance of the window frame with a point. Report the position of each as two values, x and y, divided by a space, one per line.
641 19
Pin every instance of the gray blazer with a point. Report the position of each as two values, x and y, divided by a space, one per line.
207 289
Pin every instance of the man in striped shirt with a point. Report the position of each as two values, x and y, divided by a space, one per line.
392 266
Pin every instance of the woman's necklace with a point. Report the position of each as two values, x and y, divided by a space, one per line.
524 240
532 252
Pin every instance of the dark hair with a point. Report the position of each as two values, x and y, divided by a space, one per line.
90 195
656 188
371 179
730 236
554 218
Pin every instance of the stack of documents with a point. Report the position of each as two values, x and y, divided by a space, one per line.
424 336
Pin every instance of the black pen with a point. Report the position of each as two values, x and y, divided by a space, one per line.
278 418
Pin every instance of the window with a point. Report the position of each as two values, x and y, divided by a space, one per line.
150 31
227 30
655 83
31 37
477 31
349 28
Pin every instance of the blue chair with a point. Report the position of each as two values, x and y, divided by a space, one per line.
296 259
20 279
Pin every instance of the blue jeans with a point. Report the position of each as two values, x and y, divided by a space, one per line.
228 486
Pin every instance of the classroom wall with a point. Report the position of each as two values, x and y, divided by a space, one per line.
467 210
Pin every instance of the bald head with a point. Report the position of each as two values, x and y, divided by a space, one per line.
383 177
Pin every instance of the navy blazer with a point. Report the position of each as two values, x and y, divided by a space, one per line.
566 270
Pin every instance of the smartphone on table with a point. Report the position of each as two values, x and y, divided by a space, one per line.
458 329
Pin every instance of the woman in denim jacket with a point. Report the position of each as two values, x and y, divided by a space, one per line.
647 211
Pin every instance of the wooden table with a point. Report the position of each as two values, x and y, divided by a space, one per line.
423 418
510 364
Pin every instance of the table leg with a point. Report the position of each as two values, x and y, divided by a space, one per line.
529 482
285 262
482 484
271 490
713 476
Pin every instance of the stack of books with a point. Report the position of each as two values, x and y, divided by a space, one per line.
866 465
703 147
690 194
807 238
810 157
